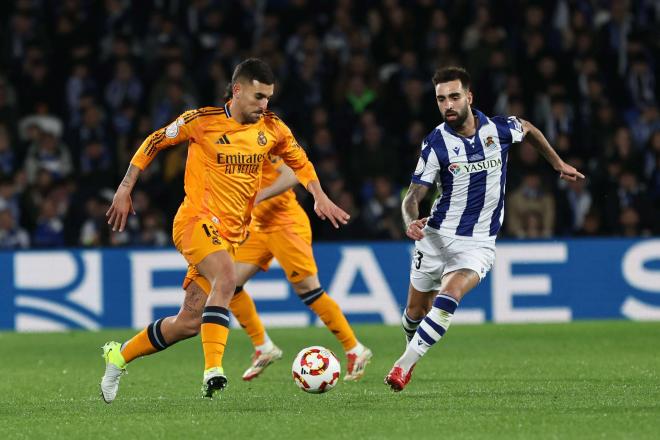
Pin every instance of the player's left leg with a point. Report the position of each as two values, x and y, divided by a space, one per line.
252 256
245 311
156 337
292 246
312 294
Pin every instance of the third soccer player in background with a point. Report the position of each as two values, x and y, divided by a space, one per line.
455 246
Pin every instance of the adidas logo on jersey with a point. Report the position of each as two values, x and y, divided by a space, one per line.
223 140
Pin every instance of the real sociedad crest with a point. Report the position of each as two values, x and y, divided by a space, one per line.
489 142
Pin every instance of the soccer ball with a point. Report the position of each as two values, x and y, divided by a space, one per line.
316 369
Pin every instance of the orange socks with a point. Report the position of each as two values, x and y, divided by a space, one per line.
243 308
215 330
148 341
328 310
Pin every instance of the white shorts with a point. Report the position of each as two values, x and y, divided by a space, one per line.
436 255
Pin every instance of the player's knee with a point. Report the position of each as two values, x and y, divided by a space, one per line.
416 312
453 292
306 285
229 282
225 285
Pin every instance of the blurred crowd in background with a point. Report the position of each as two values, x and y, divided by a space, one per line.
83 82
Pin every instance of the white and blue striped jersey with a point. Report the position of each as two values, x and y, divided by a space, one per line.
471 174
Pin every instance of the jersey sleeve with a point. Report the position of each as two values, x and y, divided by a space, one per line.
290 151
509 129
181 129
428 166
515 128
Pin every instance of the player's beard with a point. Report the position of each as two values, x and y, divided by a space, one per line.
461 116
252 117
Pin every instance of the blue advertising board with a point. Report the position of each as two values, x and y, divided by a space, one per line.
541 281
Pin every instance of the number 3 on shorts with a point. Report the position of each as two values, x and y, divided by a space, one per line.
418 256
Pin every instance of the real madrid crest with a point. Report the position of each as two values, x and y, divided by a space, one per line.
172 130
261 139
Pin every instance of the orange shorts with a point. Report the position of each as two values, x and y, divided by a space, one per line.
291 245
196 238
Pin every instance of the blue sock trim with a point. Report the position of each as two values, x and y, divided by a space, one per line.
425 336
435 326
446 303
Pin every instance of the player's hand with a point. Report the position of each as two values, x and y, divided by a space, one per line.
569 173
326 209
414 229
121 206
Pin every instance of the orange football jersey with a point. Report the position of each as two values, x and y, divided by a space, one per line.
224 164
278 211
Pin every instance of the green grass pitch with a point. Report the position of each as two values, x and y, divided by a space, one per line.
579 380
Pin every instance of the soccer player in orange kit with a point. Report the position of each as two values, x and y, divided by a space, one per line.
226 150
280 229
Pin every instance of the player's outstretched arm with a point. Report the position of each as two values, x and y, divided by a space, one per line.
122 205
324 207
181 129
410 210
287 179
538 141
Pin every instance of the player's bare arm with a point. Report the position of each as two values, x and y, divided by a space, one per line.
122 205
410 210
287 179
541 144
324 207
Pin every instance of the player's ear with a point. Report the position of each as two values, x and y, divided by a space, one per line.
469 97
236 89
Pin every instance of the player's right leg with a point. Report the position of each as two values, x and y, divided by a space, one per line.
211 255
218 269
156 337
418 305
244 310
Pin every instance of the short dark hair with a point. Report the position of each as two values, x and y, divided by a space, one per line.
252 69
452 73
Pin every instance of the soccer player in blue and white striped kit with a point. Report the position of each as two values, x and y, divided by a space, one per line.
455 245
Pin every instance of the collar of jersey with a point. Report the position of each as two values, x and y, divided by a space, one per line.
227 112
482 121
